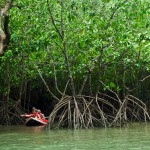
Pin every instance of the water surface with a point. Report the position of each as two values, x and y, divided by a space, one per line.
135 137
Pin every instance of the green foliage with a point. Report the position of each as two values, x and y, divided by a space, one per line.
93 40
2 3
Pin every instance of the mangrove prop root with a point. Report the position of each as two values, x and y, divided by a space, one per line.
10 114
99 111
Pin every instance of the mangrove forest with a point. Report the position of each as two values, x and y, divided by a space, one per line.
84 63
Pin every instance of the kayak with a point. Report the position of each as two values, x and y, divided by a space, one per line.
32 121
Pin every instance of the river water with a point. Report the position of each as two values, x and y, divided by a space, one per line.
135 137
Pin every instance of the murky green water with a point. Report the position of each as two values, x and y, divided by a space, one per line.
136 137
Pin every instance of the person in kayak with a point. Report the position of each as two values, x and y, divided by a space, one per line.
36 117
34 114
40 114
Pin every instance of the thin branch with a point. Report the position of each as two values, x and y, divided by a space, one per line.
114 12
53 21
142 80
145 78
111 91
40 74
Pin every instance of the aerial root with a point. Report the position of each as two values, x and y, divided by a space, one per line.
89 112
10 114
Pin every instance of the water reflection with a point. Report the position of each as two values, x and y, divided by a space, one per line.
136 137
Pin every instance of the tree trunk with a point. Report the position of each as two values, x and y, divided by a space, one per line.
4 28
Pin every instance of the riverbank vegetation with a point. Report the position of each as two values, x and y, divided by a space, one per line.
86 63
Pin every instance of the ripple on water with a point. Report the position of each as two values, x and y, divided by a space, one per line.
24 138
